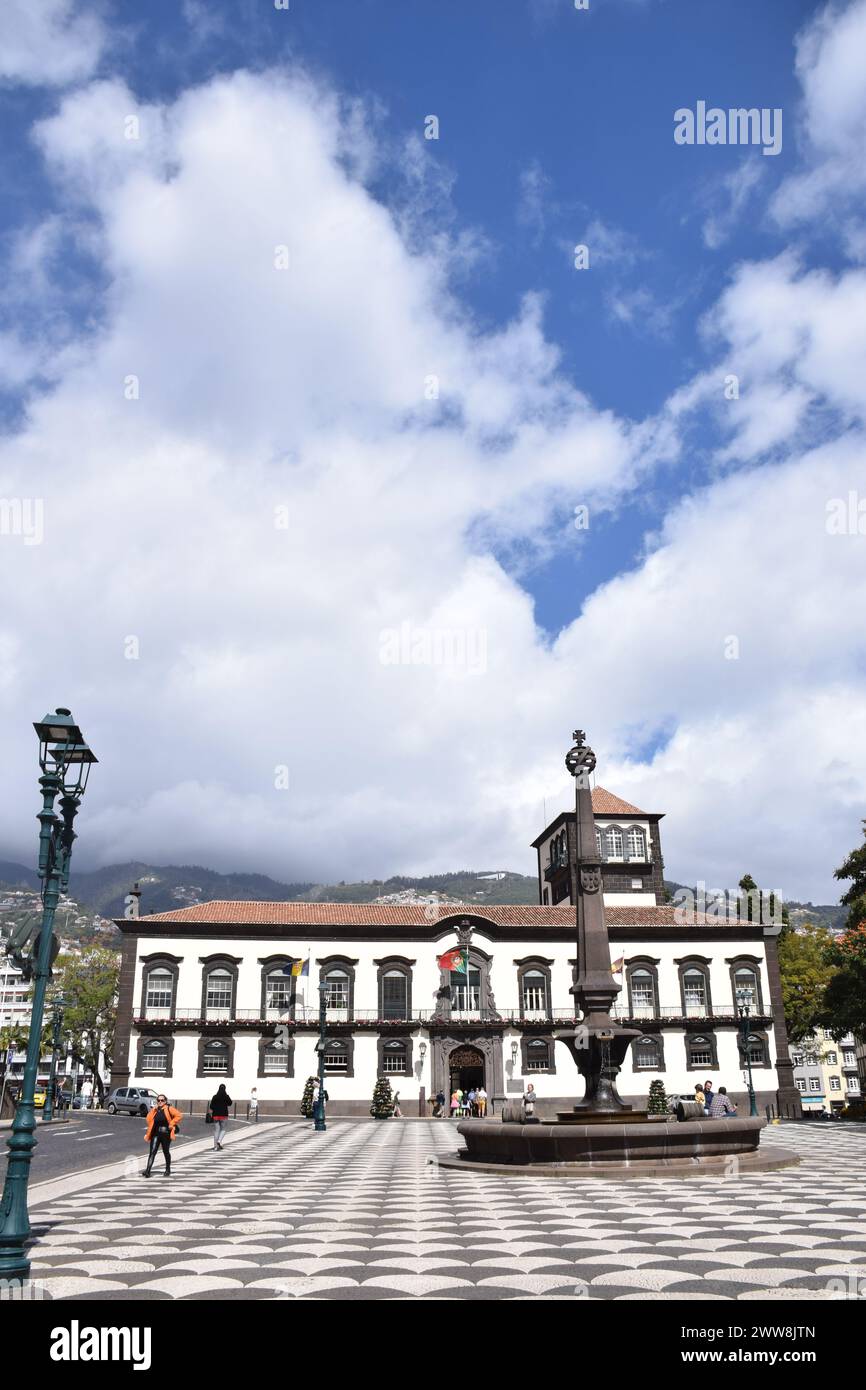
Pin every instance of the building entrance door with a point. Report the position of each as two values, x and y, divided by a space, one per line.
466 1067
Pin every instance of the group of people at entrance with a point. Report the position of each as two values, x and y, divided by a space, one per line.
463 1103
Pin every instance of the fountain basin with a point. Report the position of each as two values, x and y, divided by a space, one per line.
615 1150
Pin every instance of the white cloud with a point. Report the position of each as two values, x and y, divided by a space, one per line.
305 388
767 765
49 43
795 340
728 198
831 69
535 200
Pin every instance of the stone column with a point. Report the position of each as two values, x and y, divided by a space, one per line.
787 1096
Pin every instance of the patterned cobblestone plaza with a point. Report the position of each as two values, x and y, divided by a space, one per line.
364 1212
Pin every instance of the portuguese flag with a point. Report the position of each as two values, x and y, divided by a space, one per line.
456 959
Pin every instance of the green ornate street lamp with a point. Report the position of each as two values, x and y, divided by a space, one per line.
65 760
744 1008
319 1112
58 1006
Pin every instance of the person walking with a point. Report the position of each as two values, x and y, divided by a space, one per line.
253 1112
86 1093
220 1105
162 1121
470 1101
396 1113
709 1095
481 1101
439 1107
456 1097
721 1106
529 1099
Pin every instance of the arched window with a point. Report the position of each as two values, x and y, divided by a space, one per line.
395 1058
337 974
215 1058
534 998
465 991
395 993
337 1057
276 1060
218 992
746 984
159 979
159 992
536 1055
636 843
701 1053
613 842
337 993
755 1050
598 849
154 1058
643 992
694 992
278 993
647 1055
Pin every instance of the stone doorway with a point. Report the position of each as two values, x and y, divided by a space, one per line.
466 1068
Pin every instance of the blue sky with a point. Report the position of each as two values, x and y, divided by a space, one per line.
555 128
580 104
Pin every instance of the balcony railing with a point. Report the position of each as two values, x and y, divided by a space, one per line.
621 1013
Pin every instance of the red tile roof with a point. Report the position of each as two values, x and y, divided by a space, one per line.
393 917
604 803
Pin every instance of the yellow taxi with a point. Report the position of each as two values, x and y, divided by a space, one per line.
39 1098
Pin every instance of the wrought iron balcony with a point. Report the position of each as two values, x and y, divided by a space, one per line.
366 1018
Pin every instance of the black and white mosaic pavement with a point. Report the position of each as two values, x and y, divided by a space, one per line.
363 1211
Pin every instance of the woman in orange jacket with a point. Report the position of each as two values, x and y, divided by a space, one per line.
162 1122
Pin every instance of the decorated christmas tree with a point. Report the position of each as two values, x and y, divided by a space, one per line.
307 1098
383 1100
658 1101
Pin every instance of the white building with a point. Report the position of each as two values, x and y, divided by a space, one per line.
15 992
205 995
826 1072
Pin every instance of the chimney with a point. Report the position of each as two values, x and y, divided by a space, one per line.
133 903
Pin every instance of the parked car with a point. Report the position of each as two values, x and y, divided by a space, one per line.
135 1100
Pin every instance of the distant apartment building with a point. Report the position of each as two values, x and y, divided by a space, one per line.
826 1072
14 996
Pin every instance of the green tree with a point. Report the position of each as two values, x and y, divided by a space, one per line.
854 869
845 996
751 906
806 973
13 1035
307 1097
658 1101
383 1100
89 984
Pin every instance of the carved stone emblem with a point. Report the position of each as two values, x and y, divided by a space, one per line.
464 933
590 879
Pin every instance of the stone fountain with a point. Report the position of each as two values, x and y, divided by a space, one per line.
602 1136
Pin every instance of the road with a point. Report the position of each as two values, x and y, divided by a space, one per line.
90 1138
